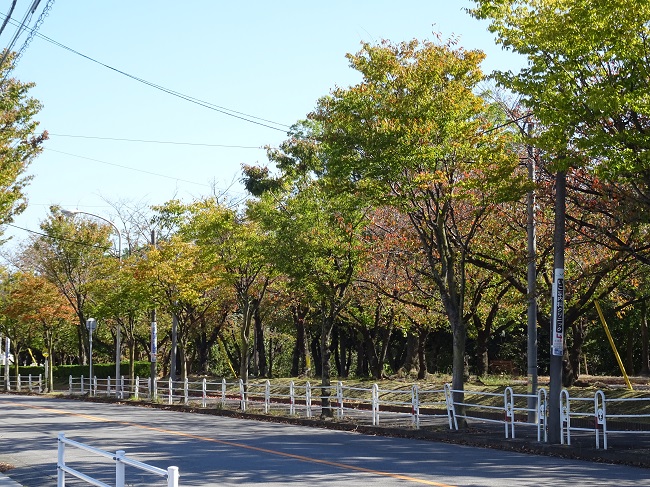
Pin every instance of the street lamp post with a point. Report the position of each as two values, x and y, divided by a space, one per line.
118 337
91 324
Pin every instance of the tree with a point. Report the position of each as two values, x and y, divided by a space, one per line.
414 135
315 240
70 255
234 247
19 142
586 79
35 301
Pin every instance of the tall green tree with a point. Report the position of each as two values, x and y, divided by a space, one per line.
316 241
587 78
414 135
70 255
19 143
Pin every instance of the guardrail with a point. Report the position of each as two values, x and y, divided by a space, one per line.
120 459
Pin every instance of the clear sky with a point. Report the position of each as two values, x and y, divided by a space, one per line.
266 59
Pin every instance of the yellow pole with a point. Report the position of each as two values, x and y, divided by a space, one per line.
611 342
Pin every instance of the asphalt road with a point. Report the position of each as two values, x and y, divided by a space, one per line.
220 451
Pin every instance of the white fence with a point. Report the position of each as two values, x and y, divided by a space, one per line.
407 407
23 383
120 459
602 416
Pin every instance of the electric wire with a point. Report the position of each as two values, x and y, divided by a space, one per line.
197 101
78 242
127 167
157 141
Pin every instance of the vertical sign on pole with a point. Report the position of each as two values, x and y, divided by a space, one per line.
558 314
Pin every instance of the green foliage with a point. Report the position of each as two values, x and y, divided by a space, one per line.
586 79
19 143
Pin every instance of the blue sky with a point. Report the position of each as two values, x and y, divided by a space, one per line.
267 59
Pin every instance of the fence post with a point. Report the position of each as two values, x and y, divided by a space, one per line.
172 477
415 405
565 416
136 392
186 392
541 416
339 398
170 387
30 383
509 408
267 396
292 399
375 404
82 384
18 382
121 387
119 468
60 473
40 383
204 392
451 408
242 394
223 392
600 412
308 398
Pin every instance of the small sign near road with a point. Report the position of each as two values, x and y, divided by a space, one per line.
91 324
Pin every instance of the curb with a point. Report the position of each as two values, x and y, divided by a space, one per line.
7 482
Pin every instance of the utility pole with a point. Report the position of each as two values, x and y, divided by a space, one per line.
532 287
174 351
557 312
154 340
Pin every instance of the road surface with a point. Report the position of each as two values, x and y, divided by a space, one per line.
220 451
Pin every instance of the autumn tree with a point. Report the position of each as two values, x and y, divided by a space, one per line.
35 301
413 134
70 255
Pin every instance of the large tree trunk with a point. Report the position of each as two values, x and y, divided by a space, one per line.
327 324
299 355
261 364
422 372
571 360
410 366
645 356
482 338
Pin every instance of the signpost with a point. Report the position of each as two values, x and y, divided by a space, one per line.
91 324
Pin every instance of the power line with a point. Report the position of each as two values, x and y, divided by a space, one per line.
157 141
127 167
78 242
217 108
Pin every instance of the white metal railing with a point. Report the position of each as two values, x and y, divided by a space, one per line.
575 408
21 383
596 414
485 406
604 411
435 401
120 459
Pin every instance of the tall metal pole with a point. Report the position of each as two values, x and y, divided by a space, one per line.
532 289
174 351
557 312
154 339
